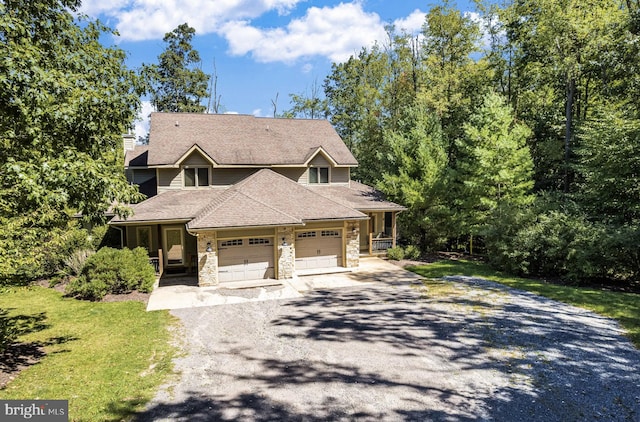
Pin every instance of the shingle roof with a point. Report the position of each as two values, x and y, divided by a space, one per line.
177 205
357 195
232 139
137 157
268 198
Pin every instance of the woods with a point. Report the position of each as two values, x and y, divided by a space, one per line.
515 127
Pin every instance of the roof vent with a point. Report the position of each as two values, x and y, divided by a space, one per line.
267 127
177 123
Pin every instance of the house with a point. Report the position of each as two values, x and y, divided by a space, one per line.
236 197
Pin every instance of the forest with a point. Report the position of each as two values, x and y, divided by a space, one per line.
512 133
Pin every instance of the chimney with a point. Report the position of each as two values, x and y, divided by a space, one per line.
129 141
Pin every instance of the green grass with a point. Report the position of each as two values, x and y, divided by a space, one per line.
107 359
624 307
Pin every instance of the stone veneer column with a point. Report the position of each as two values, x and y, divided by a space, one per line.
352 240
286 254
207 261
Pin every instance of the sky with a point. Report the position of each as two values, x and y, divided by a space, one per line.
263 50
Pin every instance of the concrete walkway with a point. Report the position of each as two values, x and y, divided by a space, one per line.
371 270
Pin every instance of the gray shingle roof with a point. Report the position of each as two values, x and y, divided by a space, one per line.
268 198
232 139
177 205
137 157
357 195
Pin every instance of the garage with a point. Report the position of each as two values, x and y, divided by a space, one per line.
245 259
318 249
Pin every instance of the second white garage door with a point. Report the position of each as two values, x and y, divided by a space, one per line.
318 249
245 259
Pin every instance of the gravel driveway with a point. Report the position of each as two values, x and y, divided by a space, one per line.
463 350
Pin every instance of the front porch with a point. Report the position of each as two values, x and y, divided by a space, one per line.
378 234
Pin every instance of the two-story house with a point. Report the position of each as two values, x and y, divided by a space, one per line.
236 197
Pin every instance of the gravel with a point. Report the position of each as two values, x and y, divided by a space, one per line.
395 352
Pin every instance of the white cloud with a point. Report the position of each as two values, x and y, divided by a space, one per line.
151 19
142 122
335 32
307 68
412 24
484 24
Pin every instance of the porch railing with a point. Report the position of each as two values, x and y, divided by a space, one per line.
380 244
156 262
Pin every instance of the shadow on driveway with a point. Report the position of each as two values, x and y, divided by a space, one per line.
394 352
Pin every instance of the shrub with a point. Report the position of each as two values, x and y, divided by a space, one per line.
412 252
396 253
113 271
75 262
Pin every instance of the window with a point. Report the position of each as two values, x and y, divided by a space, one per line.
304 235
233 242
143 234
318 174
330 233
260 241
196 176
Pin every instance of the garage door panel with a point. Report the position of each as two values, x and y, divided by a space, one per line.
313 250
244 261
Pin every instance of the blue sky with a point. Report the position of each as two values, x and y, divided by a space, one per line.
262 48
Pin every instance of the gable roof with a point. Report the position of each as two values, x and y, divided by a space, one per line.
233 139
268 198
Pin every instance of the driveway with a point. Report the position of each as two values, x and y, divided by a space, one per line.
392 350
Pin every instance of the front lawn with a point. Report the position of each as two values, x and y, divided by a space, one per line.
623 307
107 359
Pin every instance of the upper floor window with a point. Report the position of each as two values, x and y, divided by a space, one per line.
319 175
196 176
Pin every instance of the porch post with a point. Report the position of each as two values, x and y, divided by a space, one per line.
394 229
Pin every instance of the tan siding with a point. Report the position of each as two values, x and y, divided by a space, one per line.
142 175
326 225
236 234
295 174
195 159
304 178
225 177
340 175
169 179
320 161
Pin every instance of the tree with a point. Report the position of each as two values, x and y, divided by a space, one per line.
308 106
177 83
495 166
412 169
65 101
609 166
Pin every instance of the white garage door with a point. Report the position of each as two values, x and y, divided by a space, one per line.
318 249
245 259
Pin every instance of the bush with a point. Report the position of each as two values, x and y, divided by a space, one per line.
76 261
396 253
113 271
412 252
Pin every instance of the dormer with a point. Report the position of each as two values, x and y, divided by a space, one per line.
321 169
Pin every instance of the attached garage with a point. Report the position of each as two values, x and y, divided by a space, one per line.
245 259
318 249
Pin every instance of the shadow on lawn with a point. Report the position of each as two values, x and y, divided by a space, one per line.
482 355
16 356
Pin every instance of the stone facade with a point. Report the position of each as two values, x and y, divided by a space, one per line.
207 261
286 253
352 243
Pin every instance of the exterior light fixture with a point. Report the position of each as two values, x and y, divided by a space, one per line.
284 242
209 247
